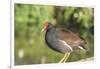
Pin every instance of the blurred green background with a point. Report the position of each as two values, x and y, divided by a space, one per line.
30 46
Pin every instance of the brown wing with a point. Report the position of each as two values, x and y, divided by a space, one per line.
69 37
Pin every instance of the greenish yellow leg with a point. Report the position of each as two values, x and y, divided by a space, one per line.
68 54
63 58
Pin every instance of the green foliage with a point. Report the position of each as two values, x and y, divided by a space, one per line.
29 20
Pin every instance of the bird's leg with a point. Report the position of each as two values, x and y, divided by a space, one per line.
68 54
63 58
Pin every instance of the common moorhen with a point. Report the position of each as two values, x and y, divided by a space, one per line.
62 40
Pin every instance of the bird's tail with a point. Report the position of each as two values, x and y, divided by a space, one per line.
83 45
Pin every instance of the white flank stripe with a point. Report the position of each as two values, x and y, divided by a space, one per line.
66 44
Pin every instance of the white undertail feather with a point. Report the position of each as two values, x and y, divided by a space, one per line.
81 47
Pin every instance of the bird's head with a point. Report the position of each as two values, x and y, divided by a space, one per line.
46 26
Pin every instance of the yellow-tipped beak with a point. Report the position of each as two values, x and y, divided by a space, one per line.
42 29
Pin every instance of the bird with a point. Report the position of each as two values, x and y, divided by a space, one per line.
62 40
